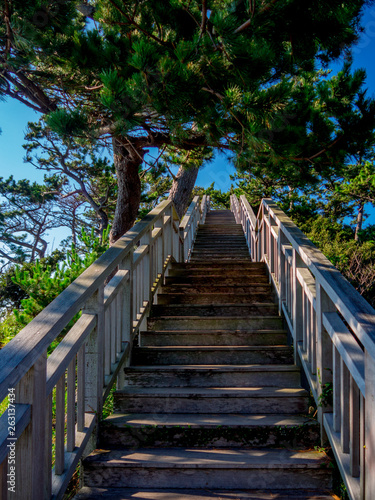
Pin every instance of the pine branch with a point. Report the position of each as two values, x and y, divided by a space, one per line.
204 18
249 21
136 25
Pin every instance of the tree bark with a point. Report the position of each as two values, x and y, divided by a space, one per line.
127 162
182 188
358 227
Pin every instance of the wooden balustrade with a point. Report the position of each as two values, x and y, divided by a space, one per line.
67 389
333 333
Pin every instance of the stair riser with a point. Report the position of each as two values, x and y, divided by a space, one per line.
196 357
205 404
229 479
213 339
216 280
244 437
222 310
252 266
221 245
220 250
198 257
223 323
229 289
223 273
189 378
165 298
220 239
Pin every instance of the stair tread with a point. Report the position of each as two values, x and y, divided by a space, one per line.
222 304
221 458
215 347
215 368
215 392
263 316
205 494
207 420
211 332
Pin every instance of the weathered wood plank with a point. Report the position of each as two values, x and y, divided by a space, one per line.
71 406
343 460
344 404
60 482
354 308
22 413
81 393
60 426
17 357
336 390
64 353
350 351
354 428
307 280
369 426
112 288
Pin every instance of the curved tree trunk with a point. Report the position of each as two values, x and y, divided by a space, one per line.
127 163
182 187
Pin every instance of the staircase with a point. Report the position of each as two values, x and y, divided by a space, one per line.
213 406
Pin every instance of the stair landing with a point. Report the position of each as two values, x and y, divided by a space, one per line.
213 407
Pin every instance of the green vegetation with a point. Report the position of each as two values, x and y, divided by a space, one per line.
31 287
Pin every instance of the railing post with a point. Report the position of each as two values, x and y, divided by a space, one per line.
281 273
30 451
94 377
126 311
369 476
297 307
324 348
182 243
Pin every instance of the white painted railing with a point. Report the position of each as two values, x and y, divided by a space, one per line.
333 331
195 214
76 378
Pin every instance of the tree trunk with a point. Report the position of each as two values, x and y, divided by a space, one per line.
127 163
182 187
358 227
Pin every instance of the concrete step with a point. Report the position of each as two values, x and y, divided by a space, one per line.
214 299
211 355
216 468
205 494
213 338
197 256
217 238
221 250
220 230
216 279
215 323
239 310
234 241
249 400
213 376
208 430
249 289
218 264
223 273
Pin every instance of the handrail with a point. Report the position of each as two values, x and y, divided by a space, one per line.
77 377
195 214
333 332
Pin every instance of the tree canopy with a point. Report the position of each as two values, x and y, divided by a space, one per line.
175 74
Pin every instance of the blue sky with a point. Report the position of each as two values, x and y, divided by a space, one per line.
14 117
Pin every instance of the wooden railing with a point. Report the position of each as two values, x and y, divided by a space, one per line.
333 332
65 391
